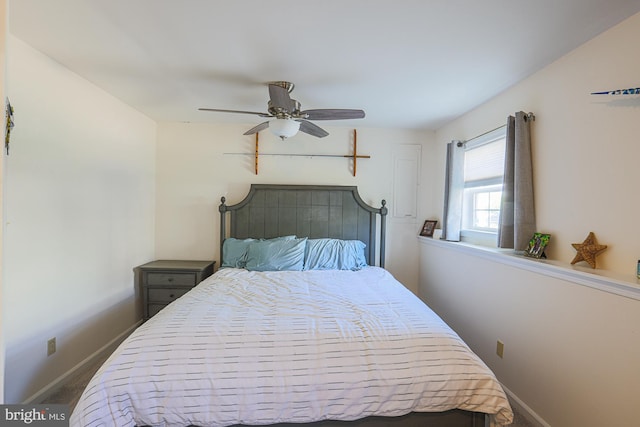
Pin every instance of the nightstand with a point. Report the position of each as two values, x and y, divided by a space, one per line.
163 281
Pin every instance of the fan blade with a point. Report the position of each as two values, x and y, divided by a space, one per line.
333 114
217 110
312 129
280 97
256 129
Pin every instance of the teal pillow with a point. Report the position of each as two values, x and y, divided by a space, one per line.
334 254
276 255
234 252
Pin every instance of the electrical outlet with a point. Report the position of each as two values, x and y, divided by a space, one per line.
500 349
51 346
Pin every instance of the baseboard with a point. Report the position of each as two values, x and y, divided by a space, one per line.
103 351
525 410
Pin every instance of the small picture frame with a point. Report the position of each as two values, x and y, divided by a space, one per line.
428 227
537 245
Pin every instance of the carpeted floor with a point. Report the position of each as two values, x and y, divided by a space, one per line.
71 392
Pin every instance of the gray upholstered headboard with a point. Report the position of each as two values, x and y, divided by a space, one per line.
313 211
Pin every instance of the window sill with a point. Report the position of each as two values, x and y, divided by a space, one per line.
624 285
479 238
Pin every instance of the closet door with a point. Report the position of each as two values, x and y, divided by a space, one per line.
406 170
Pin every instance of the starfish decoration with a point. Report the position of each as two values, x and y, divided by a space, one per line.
588 250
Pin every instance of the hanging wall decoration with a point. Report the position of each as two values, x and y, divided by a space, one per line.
9 126
631 91
352 157
588 250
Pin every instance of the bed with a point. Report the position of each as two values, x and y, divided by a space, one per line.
300 325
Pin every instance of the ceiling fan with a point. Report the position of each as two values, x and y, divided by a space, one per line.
287 119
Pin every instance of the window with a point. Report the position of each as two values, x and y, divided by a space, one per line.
483 172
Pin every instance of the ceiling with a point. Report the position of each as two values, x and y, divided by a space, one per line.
414 64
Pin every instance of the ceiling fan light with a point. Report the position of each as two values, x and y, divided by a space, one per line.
284 128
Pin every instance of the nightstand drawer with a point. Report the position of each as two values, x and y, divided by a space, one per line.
164 281
171 279
165 295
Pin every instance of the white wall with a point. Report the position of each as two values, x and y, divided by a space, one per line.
79 217
4 33
193 172
571 353
585 147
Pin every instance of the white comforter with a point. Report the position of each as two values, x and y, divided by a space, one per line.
261 348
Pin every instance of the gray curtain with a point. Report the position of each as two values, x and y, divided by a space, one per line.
453 188
517 216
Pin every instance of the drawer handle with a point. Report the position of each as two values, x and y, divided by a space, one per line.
170 279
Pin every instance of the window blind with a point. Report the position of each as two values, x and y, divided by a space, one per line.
485 162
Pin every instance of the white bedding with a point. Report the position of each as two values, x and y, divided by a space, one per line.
262 348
